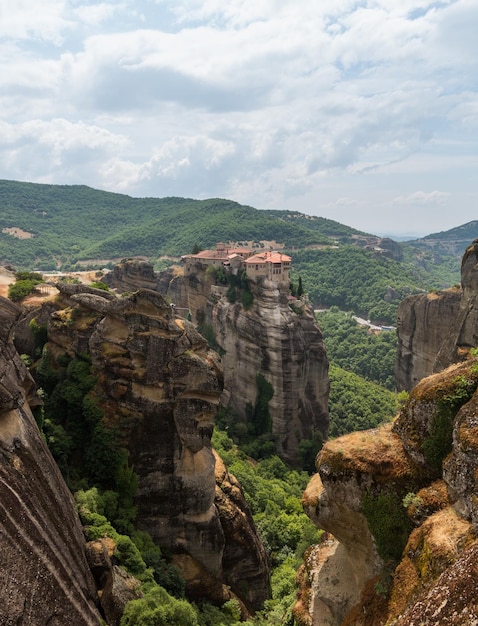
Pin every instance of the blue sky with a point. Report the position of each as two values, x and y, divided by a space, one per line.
362 111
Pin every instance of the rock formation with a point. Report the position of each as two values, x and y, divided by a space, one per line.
286 348
434 330
276 337
244 557
400 504
44 576
160 384
131 275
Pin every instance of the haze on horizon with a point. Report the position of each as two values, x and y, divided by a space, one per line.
362 111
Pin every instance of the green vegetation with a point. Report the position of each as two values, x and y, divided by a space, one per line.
274 492
87 450
358 280
357 404
253 431
99 284
439 441
24 285
261 417
389 524
159 608
361 373
356 349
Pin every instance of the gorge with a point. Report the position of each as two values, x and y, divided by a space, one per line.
398 503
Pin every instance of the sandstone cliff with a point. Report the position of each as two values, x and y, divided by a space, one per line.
276 337
286 347
400 504
44 576
131 275
160 384
434 330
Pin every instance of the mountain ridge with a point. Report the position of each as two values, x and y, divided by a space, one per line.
51 227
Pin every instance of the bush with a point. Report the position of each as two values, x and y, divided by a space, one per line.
388 523
438 444
100 285
25 284
158 608
21 289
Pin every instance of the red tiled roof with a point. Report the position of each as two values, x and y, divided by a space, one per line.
269 257
222 253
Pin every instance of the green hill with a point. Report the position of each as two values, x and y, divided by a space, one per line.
49 227
466 232
64 224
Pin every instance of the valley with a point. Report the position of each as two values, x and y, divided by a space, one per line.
184 403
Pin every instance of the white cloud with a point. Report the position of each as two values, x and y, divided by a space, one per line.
20 19
36 147
95 14
423 197
267 102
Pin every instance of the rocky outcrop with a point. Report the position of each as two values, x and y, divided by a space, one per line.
286 347
435 330
160 384
276 337
44 577
400 502
131 275
351 468
244 557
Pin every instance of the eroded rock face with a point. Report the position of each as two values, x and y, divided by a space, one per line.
430 455
451 600
287 348
160 383
435 330
244 557
349 468
276 338
44 577
131 275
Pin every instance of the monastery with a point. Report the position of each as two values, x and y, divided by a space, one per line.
271 265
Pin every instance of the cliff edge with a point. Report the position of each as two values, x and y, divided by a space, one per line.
437 329
399 503
44 577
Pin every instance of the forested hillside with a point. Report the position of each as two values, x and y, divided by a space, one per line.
49 227
358 280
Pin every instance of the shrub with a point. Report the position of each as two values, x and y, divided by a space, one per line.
25 283
21 289
388 523
99 284
158 608
438 444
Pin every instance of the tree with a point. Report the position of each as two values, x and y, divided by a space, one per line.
300 288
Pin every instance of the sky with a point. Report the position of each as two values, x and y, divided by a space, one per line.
361 111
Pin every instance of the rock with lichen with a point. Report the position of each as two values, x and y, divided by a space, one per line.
44 577
437 329
400 501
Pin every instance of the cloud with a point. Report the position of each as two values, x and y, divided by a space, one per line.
46 22
423 197
95 14
267 102
37 149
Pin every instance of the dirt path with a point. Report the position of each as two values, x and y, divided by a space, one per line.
6 279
